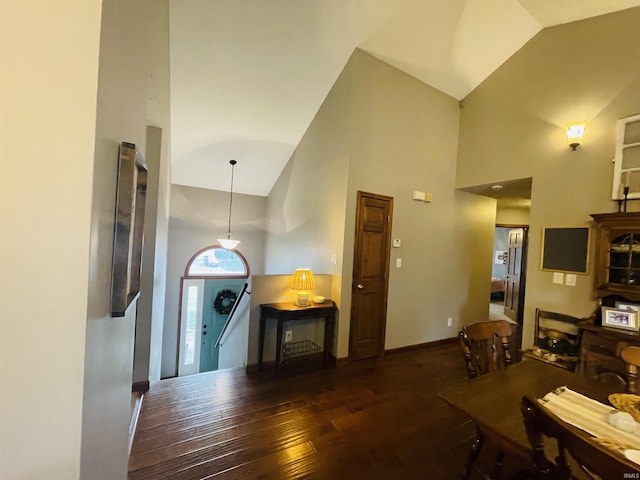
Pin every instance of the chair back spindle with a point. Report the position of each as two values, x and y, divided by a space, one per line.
594 459
479 343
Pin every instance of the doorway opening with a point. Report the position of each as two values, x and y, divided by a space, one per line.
499 273
213 279
509 273
509 255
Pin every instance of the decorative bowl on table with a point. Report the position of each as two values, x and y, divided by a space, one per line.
626 402
317 299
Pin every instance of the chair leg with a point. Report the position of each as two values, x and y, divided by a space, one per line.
473 453
497 469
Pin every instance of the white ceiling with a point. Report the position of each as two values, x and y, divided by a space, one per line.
248 76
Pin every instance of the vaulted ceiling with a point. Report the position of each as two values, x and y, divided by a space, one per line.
248 76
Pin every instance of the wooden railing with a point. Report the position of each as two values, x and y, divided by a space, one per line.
233 310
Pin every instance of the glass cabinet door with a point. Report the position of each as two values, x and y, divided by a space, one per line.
624 259
617 272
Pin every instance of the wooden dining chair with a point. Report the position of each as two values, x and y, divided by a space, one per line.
631 357
479 343
593 458
485 347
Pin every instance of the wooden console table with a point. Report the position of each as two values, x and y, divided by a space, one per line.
287 312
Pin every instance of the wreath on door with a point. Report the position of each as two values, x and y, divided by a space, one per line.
224 301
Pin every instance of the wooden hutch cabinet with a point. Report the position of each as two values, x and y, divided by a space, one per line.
618 255
617 279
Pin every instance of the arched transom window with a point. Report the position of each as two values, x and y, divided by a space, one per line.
216 261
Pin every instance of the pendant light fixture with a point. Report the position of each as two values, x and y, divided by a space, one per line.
227 242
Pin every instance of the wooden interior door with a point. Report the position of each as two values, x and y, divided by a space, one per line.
370 276
516 274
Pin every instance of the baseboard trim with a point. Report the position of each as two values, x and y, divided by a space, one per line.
339 362
271 365
140 387
419 346
135 414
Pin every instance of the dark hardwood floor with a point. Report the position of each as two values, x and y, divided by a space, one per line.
372 419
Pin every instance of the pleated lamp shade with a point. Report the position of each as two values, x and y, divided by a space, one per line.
303 281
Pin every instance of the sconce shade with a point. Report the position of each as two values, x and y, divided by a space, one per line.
228 243
303 281
575 134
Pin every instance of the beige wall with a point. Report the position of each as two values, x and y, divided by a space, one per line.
48 84
404 138
513 124
149 326
382 131
133 50
512 216
150 312
305 207
198 217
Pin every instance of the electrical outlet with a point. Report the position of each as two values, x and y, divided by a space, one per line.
449 322
288 336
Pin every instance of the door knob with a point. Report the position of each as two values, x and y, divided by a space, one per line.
360 286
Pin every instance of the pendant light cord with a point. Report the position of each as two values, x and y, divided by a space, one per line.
233 163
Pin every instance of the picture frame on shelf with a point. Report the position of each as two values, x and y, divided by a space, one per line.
633 307
617 318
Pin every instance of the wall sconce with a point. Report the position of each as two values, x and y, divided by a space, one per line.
303 281
575 134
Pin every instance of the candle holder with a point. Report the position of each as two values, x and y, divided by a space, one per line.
626 194
619 201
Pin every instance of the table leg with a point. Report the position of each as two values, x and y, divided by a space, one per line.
278 343
473 454
261 341
326 341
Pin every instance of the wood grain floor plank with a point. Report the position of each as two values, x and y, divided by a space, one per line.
373 419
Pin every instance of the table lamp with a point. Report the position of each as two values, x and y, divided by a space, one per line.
303 281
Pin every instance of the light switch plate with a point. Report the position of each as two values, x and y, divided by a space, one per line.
398 262
570 279
558 277
396 242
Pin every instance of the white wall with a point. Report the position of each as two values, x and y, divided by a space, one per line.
234 347
48 85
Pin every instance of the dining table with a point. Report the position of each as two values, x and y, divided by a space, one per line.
492 401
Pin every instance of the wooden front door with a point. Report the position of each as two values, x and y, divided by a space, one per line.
370 276
516 270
